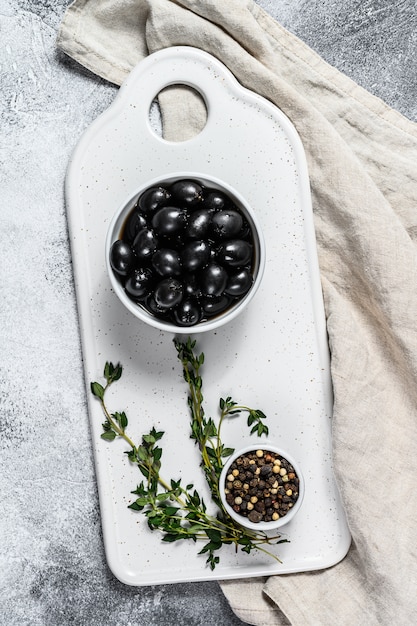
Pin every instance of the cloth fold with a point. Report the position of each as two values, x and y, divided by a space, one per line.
362 159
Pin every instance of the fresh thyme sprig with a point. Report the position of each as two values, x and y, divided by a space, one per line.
179 512
205 431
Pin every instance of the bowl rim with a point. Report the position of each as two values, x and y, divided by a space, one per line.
263 526
118 219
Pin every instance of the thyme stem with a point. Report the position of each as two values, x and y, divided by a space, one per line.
119 431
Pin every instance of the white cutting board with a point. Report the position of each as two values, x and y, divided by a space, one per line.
273 357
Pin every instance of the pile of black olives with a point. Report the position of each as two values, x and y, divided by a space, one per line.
185 252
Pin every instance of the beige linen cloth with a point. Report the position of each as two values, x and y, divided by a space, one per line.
362 159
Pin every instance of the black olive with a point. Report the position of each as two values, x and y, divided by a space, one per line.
187 313
153 199
168 293
167 262
187 192
239 283
150 304
169 221
145 244
213 279
214 306
191 285
226 224
134 224
195 255
215 200
122 257
138 283
245 232
198 224
235 253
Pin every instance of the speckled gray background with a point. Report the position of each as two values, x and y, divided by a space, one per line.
52 566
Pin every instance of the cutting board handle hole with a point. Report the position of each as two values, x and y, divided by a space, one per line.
182 113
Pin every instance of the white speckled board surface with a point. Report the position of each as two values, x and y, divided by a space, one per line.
274 356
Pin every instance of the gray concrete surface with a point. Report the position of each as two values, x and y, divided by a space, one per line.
52 566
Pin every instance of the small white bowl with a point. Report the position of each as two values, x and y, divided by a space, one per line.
116 226
244 521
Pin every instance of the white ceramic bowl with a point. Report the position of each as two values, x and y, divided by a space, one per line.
244 521
116 226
